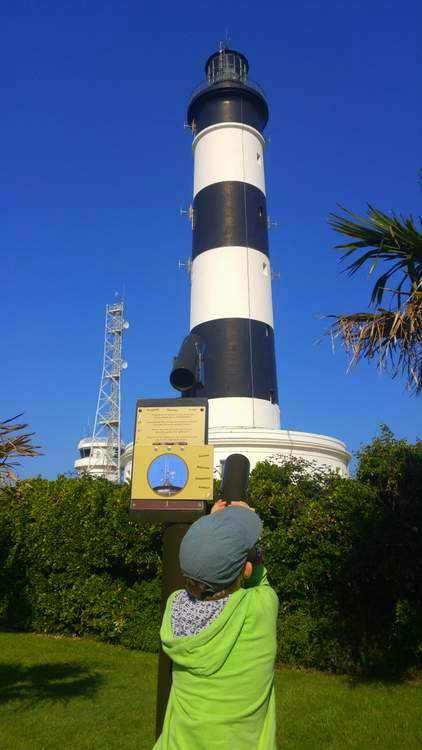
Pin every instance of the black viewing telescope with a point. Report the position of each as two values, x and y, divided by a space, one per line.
234 483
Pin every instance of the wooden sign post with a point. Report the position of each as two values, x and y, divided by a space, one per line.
172 478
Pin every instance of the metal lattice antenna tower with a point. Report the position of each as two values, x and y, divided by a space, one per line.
107 418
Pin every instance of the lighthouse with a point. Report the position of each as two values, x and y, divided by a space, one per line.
231 302
229 355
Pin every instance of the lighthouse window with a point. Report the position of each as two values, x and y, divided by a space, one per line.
259 159
265 269
261 211
272 397
226 65
267 331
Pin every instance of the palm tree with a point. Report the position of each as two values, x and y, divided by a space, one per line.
392 334
13 446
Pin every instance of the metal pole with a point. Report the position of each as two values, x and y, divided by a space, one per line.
171 581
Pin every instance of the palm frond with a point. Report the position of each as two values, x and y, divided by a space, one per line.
14 446
392 239
392 337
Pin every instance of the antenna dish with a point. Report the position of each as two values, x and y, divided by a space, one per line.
124 365
126 324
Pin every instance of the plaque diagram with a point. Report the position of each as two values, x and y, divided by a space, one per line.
167 475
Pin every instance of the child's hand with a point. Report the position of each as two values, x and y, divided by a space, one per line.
219 505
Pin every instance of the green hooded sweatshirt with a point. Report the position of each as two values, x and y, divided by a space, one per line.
222 696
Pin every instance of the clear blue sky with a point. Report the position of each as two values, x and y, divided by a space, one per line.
95 164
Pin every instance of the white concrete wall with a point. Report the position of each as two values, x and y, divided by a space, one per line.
243 412
270 445
97 466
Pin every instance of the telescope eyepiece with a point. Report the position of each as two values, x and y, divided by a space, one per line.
234 482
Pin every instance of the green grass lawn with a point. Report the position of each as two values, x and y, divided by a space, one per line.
57 694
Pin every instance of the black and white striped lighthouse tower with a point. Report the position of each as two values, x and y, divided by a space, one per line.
229 355
231 301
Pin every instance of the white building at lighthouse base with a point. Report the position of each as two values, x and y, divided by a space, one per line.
268 445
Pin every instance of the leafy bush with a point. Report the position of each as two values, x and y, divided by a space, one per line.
344 555
71 562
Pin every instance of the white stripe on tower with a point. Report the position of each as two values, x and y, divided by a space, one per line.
231 301
228 151
231 282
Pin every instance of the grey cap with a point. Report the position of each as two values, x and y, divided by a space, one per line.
215 548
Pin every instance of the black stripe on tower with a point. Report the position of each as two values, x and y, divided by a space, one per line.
240 359
228 103
229 214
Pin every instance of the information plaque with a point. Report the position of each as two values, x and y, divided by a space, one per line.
172 465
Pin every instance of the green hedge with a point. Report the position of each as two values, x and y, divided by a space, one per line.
71 562
344 555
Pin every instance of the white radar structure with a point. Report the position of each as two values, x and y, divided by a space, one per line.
100 455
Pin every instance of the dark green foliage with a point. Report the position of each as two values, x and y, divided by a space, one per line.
394 469
72 563
344 555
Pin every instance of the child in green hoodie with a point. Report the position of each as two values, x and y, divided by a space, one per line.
220 634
